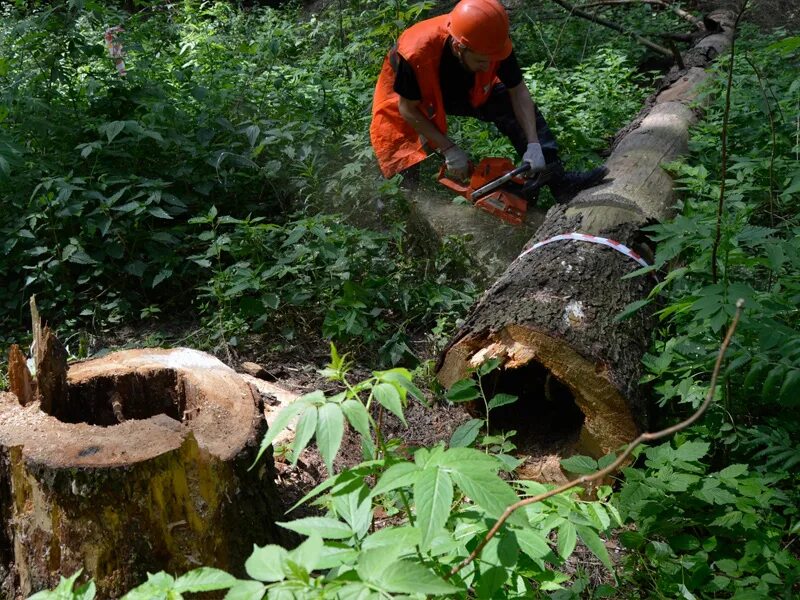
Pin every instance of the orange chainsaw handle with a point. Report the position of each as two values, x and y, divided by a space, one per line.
456 186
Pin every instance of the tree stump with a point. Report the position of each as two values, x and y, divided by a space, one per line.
145 469
550 317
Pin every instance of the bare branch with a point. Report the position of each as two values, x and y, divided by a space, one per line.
598 475
574 10
674 8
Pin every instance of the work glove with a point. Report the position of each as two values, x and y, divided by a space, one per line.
457 161
534 157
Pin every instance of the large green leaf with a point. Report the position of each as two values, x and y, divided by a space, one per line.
389 398
266 564
308 553
327 528
279 424
487 490
306 426
204 579
330 429
466 433
407 577
567 537
595 544
398 475
534 544
358 416
433 497
246 590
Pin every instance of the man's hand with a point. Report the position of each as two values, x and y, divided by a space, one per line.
534 157
457 161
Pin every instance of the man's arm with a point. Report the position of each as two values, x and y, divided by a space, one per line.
410 111
456 159
524 110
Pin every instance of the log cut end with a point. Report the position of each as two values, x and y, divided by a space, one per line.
562 396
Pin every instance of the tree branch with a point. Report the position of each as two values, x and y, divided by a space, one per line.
676 9
598 475
574 10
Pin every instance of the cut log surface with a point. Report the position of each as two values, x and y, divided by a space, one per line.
551 315
168 488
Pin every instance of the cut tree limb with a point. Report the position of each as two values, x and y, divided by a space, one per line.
555 307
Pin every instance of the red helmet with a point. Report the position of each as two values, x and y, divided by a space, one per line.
481 26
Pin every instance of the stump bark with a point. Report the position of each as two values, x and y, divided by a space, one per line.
144 469
550 317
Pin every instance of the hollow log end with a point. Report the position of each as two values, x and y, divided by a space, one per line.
608 421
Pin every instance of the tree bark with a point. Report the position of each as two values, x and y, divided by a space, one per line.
555 307
167 488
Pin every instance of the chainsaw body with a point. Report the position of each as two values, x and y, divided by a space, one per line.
495 185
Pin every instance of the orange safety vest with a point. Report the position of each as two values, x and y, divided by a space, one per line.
396 143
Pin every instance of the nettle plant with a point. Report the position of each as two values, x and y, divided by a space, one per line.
441 502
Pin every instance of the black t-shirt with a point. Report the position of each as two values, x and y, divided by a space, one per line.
455 80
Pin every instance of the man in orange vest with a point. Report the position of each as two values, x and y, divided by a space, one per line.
461 63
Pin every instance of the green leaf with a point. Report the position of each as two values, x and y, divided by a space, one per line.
487 490
113 129
246 590
306 426
398 475
433 497
790 390
266 564
691 451
466 433
330 429
357 416
595 544
327 528
204 579
534 544
308 553
407 577
630 310
395 537
389 397
580 465
463 391
502 400
159 212
279 424
567 538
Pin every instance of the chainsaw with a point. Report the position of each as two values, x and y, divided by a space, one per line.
498 187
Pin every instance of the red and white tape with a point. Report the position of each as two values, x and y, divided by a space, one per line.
592 239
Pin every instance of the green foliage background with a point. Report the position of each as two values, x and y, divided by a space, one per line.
202 182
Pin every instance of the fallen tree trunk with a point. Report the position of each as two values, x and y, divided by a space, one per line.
144 468
550 317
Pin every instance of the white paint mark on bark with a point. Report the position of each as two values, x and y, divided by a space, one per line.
573 313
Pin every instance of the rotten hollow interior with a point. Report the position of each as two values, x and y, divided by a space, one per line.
545 415
110 399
